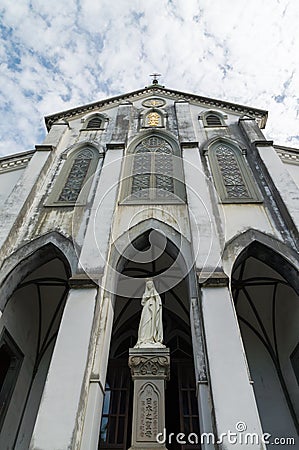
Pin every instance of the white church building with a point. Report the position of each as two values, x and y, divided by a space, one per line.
185 191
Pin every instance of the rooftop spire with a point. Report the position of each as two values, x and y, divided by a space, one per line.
155 77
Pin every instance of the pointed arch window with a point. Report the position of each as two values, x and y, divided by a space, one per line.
155 173
74 181
232 176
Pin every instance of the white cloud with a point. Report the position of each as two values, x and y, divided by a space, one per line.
53 58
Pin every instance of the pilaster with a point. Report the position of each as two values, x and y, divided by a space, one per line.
95 247
202 212
122 124
56 422
20 200
185 124
232 393
285 188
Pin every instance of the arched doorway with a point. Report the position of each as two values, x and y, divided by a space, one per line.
28 330
267 304
180 395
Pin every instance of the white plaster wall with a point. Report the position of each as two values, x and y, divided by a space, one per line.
238 218
205 238
95 248
126 217
15 214
8 180
285 184
293 169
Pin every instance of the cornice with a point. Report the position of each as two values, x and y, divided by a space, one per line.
15 162
170 93
287 154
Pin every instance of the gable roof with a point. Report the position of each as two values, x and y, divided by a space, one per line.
160 90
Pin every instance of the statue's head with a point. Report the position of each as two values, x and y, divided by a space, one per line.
149 283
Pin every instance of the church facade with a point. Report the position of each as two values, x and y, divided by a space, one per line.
185 191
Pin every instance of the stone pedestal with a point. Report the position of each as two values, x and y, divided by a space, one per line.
150 369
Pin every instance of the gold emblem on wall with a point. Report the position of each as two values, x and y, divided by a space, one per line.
153 119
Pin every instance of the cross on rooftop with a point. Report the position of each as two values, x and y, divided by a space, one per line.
155 77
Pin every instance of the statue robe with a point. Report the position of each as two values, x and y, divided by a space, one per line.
150 332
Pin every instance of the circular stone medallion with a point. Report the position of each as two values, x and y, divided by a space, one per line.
153 102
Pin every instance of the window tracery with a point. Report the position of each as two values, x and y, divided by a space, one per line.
233 178
154 173
76 177
74 180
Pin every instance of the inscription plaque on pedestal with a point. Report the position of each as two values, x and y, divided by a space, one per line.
147 410
150 370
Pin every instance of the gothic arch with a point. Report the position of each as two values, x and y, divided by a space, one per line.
210 142
93 144
165 134
30 256
72 185
265 290
153 170
238 244
134 257
231 173
153 117
33 293
178 247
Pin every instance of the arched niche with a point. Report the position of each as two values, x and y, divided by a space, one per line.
30 256
126 246
151 254
266 300
28 329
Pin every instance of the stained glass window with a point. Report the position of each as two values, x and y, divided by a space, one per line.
76 177
232 175
74 180
153 169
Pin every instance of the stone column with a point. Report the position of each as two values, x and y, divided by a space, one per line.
57 420
235 409
93 257
150 369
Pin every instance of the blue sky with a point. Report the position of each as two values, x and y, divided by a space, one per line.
58 55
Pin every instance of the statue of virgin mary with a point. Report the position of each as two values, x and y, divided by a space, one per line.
150 332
